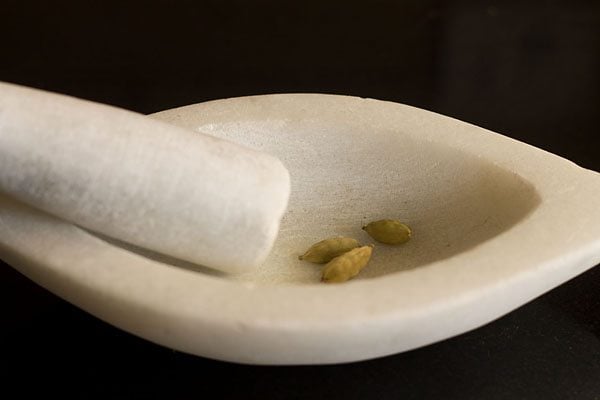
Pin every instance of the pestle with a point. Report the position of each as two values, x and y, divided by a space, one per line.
118 173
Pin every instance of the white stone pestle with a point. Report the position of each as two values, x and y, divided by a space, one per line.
145 182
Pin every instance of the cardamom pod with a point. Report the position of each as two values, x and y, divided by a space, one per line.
348 265
389 231
328 249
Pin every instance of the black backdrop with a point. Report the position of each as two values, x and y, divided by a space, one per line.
529 70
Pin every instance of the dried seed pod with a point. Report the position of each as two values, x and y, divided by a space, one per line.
348 265
389 231
328 249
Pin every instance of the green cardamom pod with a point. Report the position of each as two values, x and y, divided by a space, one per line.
389 231
328 249
348 265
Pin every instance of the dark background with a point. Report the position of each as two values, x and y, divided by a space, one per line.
529 70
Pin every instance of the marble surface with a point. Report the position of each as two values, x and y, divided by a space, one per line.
141 181
489 222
